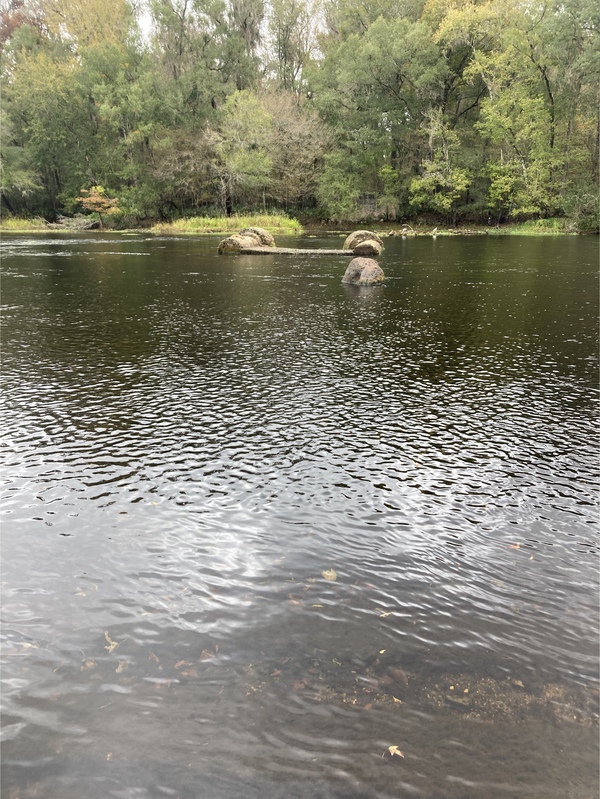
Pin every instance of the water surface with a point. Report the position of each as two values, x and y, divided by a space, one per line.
191 442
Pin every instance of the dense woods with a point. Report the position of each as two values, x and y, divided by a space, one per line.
461 110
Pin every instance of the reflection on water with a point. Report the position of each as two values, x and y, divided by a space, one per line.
193 442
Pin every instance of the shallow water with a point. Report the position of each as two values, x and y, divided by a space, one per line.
192 441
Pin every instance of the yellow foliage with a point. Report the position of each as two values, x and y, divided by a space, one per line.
88 22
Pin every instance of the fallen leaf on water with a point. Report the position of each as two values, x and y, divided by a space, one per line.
181 663
122 666
329 575
153 657
383 615
112 645
276 673
393 750
191 672
336 662
315 606
88 664
514 546
206 654
397 700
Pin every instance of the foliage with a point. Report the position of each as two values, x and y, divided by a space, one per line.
482 110
18 224
96 200
275 223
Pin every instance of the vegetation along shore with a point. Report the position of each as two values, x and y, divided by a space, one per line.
174 115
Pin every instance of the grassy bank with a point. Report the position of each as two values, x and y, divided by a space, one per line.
284 226
274 223
536 227
15 224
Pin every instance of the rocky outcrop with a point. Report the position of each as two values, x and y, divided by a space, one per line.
264 237
359 236
369 247
363 272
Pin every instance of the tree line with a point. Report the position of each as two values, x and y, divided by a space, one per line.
461 110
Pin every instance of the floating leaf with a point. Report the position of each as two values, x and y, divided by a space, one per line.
393 750
206 654
329 575
191 672
122 666
88 664
112 645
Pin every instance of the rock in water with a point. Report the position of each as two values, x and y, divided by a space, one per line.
367 247
363 272
264 237
361 235
236 243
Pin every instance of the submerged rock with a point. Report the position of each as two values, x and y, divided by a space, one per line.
359 236
363 272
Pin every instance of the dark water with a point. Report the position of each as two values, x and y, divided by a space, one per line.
191 441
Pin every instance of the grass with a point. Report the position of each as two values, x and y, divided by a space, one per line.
16 224
274 223
554 226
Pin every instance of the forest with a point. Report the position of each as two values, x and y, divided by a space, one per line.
466 111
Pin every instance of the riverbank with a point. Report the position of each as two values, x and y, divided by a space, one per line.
286 226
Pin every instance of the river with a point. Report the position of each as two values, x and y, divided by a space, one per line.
266 535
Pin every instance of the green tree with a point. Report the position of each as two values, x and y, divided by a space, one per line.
241 146
441 182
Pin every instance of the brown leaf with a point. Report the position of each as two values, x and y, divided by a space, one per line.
112 645
330 574
206 654
191 672
393 750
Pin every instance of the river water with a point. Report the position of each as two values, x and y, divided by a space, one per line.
259 526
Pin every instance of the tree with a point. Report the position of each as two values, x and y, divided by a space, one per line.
96 199
241 146
441 183
296 146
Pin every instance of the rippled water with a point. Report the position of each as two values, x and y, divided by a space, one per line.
191 442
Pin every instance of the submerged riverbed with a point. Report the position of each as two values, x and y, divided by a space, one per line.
266 535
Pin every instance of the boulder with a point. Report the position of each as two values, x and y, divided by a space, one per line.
265 238
363 272
368 247
358 236
236 243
